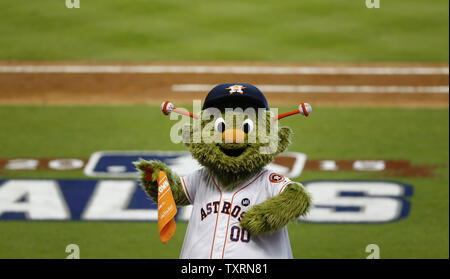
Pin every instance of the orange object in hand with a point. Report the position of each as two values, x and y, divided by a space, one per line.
167 208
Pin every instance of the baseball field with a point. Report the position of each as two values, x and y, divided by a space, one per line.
80 91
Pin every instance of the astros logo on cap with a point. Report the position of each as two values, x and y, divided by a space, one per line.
236 88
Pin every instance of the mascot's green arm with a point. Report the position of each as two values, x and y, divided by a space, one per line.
148 173
276 212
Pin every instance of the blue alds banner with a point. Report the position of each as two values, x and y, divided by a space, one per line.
75 200
124 200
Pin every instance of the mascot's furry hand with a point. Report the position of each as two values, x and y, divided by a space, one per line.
276 212
148 174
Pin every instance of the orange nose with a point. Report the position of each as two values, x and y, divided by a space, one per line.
234 136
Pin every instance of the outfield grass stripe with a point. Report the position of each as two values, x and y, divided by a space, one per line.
203 69
324 89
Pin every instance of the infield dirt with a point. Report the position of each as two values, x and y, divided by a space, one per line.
153 88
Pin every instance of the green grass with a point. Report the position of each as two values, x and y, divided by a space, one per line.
249 30
419 135
108 240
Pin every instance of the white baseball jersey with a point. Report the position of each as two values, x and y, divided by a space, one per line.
213 230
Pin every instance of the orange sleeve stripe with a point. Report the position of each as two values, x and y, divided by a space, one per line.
284 185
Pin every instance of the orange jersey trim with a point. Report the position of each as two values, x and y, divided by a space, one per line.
217 217
187 192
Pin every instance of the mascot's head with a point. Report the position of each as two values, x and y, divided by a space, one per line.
236 134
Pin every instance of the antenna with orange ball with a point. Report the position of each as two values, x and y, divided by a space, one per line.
167 107
304 109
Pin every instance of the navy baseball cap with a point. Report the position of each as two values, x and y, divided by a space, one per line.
232 95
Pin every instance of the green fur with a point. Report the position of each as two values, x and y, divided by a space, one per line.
233 171
274 213
151 187
269 216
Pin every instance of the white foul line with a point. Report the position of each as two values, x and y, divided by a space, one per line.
205 69
323 89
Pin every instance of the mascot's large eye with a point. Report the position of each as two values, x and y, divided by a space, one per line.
247 126
219 125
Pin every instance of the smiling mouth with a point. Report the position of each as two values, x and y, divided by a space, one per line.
235 152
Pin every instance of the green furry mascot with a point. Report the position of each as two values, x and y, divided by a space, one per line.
240 207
